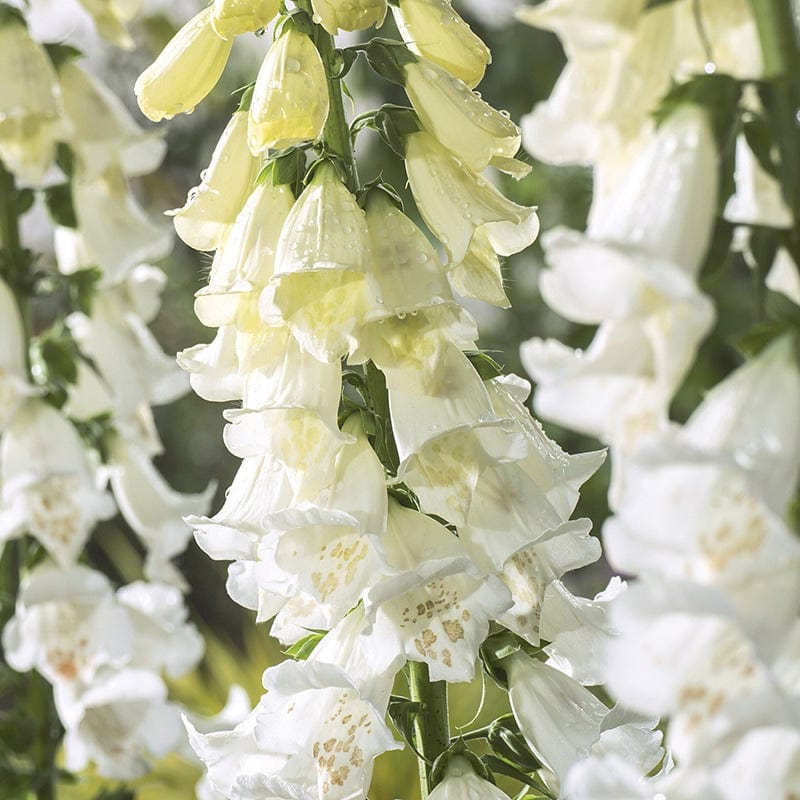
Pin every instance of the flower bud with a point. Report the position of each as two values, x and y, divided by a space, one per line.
432 29
349 15
187 69
290 100
233 17
461 782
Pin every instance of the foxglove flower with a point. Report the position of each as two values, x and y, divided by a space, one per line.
233 17
111 18
460 782
14 384
784 276
349 15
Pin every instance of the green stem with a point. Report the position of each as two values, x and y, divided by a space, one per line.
778 36
431 726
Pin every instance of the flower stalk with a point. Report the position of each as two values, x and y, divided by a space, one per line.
431 726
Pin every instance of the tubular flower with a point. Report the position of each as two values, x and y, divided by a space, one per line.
290 100
186 70
212 207
31 113
434 30
462 783
111 17
349 15
14 385
233 17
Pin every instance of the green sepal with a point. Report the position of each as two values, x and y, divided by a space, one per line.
758 133
25 199
246 98
82 288
507 741
342 63
499 645
65 159
379 185
60 53
760 336
304 647
458 748
485 365
285 168
503 767
298 19
388 58
60 206
326 157
97 434
394 123
403 712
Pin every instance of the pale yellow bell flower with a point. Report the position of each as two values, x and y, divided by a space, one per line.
349 15
290 100
212 207
458 118
30 104
479 274
186 70
233 17
458 205
111 17
434 30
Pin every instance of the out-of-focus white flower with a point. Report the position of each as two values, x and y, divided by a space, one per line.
213 206
48 487
784 276
290 101
434 30
103 133
67 625
111 17
460 782
234 17
14 385
31 114
757 199
186 70
349 15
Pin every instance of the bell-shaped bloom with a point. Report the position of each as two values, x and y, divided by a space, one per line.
458 118
434 30
103 132
460 782
48 486
439 608
234 17
290 101
114 233
152 508
186 70
313 734
320 284
583 24
348 15
122 723
111 18
67 625
30 104
214 367
458 204
14 384
757 199
784 276
226 184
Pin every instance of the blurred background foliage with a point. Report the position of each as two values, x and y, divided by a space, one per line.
526 65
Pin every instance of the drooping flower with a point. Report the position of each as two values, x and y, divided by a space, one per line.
111 18
186 70
461 782
234 17
349 15
14 385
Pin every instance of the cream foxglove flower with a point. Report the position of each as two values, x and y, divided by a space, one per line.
67 625
233 17
458 205
31 114
321 267
784 276
226 184
111 17
276 752
349 15
758 199
214 367
122 722
290 101
103 133
435 31
460 782
48 486
458 118
186 70
14 385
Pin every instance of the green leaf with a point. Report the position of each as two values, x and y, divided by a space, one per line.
509 770
60 206
304 647
760 336
82 287
508 742
758 133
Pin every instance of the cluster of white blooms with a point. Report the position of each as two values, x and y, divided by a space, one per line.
390 498
708 635
103 650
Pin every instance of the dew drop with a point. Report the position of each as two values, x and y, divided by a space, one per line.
710 68
293 64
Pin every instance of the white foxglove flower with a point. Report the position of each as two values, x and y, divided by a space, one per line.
103 132
226 184
152 508
435 31
48 486
460 782
458 205
320 284
276 752
784 276
757 199
234 17
89 396
14 384
349 15
144 285
111 18
214 367
290 101
31 118
186 70
122 722
67 625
